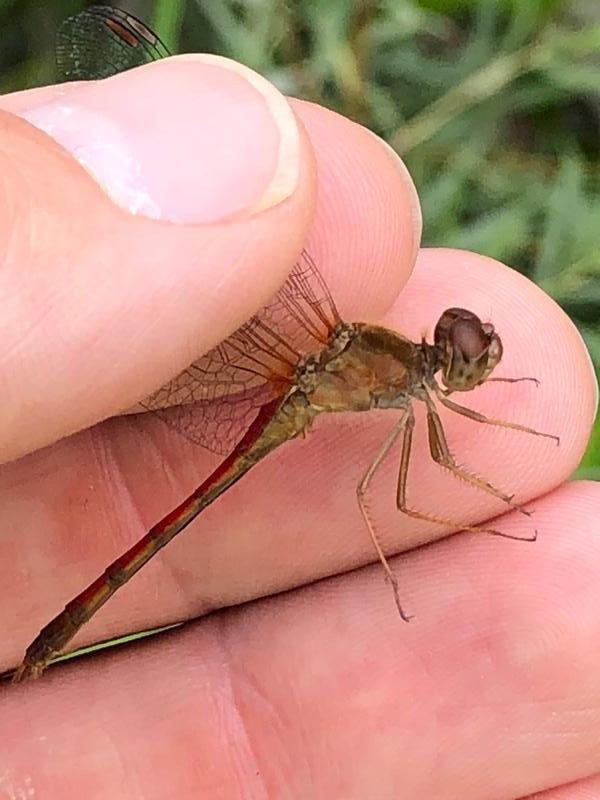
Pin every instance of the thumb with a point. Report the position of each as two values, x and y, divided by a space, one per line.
194 200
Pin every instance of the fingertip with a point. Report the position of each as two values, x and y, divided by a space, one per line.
183 163
415 215
539 341
367 225
106 305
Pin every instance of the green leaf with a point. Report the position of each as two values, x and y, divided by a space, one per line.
166 21
564 209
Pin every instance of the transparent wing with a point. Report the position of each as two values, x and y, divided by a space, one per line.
214 400
103 41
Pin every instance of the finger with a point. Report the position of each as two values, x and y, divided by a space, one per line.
220 211
494 683
586 789
367 228
98 492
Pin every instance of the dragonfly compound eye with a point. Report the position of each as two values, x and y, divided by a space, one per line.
469 349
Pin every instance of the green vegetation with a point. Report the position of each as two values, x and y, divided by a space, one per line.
495 106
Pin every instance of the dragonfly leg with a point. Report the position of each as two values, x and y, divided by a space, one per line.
440 452
361 491
426 517
513 380
477 417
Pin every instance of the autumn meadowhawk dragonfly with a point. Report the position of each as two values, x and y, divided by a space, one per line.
291 362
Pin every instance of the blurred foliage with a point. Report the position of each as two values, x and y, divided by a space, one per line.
495 106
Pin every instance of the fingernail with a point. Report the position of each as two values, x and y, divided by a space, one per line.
190 139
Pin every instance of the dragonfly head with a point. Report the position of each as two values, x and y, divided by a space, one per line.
468 349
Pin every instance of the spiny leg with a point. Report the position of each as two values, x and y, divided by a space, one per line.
411 512
440 452
512 380
361 491
447 392
477 417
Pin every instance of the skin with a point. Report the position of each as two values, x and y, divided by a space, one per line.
316 689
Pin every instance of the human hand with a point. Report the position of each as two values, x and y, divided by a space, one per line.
322 692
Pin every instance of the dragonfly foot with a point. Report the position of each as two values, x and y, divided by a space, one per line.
531 538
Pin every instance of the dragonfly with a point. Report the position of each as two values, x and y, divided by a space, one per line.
291 362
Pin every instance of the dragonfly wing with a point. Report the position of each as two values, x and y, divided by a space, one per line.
213 401
103 41
216 426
